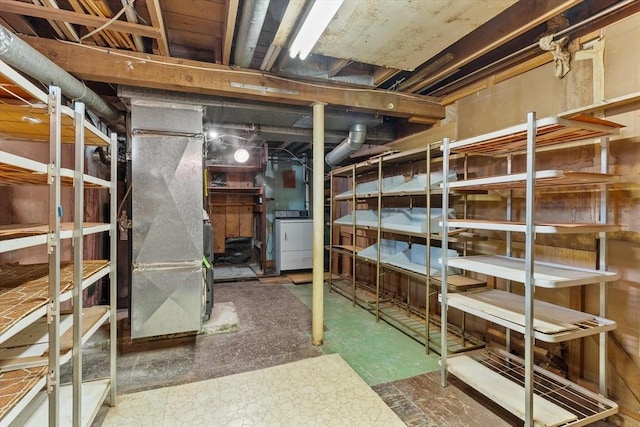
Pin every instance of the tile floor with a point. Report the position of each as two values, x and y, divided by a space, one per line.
321 391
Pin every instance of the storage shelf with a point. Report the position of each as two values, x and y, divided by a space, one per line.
557 401
543 228
32 123
544 179
550 131
546 275
16 170
93 394
234 168
240 190
18 389
551 323
19 236
30 348
24 291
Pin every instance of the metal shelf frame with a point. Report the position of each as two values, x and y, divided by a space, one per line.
55 123
527 138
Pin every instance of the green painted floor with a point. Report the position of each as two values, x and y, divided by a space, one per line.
378 352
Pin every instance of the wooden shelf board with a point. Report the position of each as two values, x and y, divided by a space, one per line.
557 401
551 323
24 289
546 228
17 390
546 275
32 123
544 179
550 131
93 394
235 168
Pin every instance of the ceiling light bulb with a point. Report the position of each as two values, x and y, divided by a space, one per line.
314 25
213 134
241 155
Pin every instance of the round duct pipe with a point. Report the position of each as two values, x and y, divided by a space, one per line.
18 54
253 15
352 143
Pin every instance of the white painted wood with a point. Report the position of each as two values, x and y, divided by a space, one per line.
93 394
546 275
507 394
545 228
551 323
556 177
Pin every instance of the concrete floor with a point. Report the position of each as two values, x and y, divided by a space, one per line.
274 329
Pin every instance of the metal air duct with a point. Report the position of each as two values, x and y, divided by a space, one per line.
251 21
18 54
353 142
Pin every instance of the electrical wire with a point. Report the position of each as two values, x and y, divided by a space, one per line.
128 5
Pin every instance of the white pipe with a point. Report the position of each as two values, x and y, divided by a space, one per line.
251 21
317 305
353 142
20 55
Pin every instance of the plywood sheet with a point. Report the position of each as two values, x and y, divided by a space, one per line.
395 35
299 278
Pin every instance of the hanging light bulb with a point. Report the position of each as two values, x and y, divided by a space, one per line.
241 155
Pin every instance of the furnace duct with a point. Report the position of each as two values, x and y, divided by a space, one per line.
351 144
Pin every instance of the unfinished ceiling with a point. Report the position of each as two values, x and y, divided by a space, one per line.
381 62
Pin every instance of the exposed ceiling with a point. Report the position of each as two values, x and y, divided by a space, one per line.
381 62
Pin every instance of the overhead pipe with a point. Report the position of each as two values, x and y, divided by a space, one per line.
253 16
353 142
20 55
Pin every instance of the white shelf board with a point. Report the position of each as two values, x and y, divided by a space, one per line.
549 130
37 413
543 228
543 178
39 236
546 275
557 401
506 393
551 323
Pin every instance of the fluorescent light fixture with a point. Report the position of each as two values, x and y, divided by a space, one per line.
313 26
241 155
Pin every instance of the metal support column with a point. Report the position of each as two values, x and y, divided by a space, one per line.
604 199
78 249
508 241
445 262
378 236
53 248
113 277
318 225
529 283
427 283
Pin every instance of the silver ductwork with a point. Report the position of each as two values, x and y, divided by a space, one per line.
18 54
353 142
251 21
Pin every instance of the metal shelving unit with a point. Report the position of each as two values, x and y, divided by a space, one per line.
368 184
536 396
35 337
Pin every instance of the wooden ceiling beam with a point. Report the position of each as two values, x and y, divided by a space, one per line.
130 68
155 14
20 8
513 22
229 29
336 65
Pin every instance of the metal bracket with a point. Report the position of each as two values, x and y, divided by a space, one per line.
51 242
50 313
51 382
